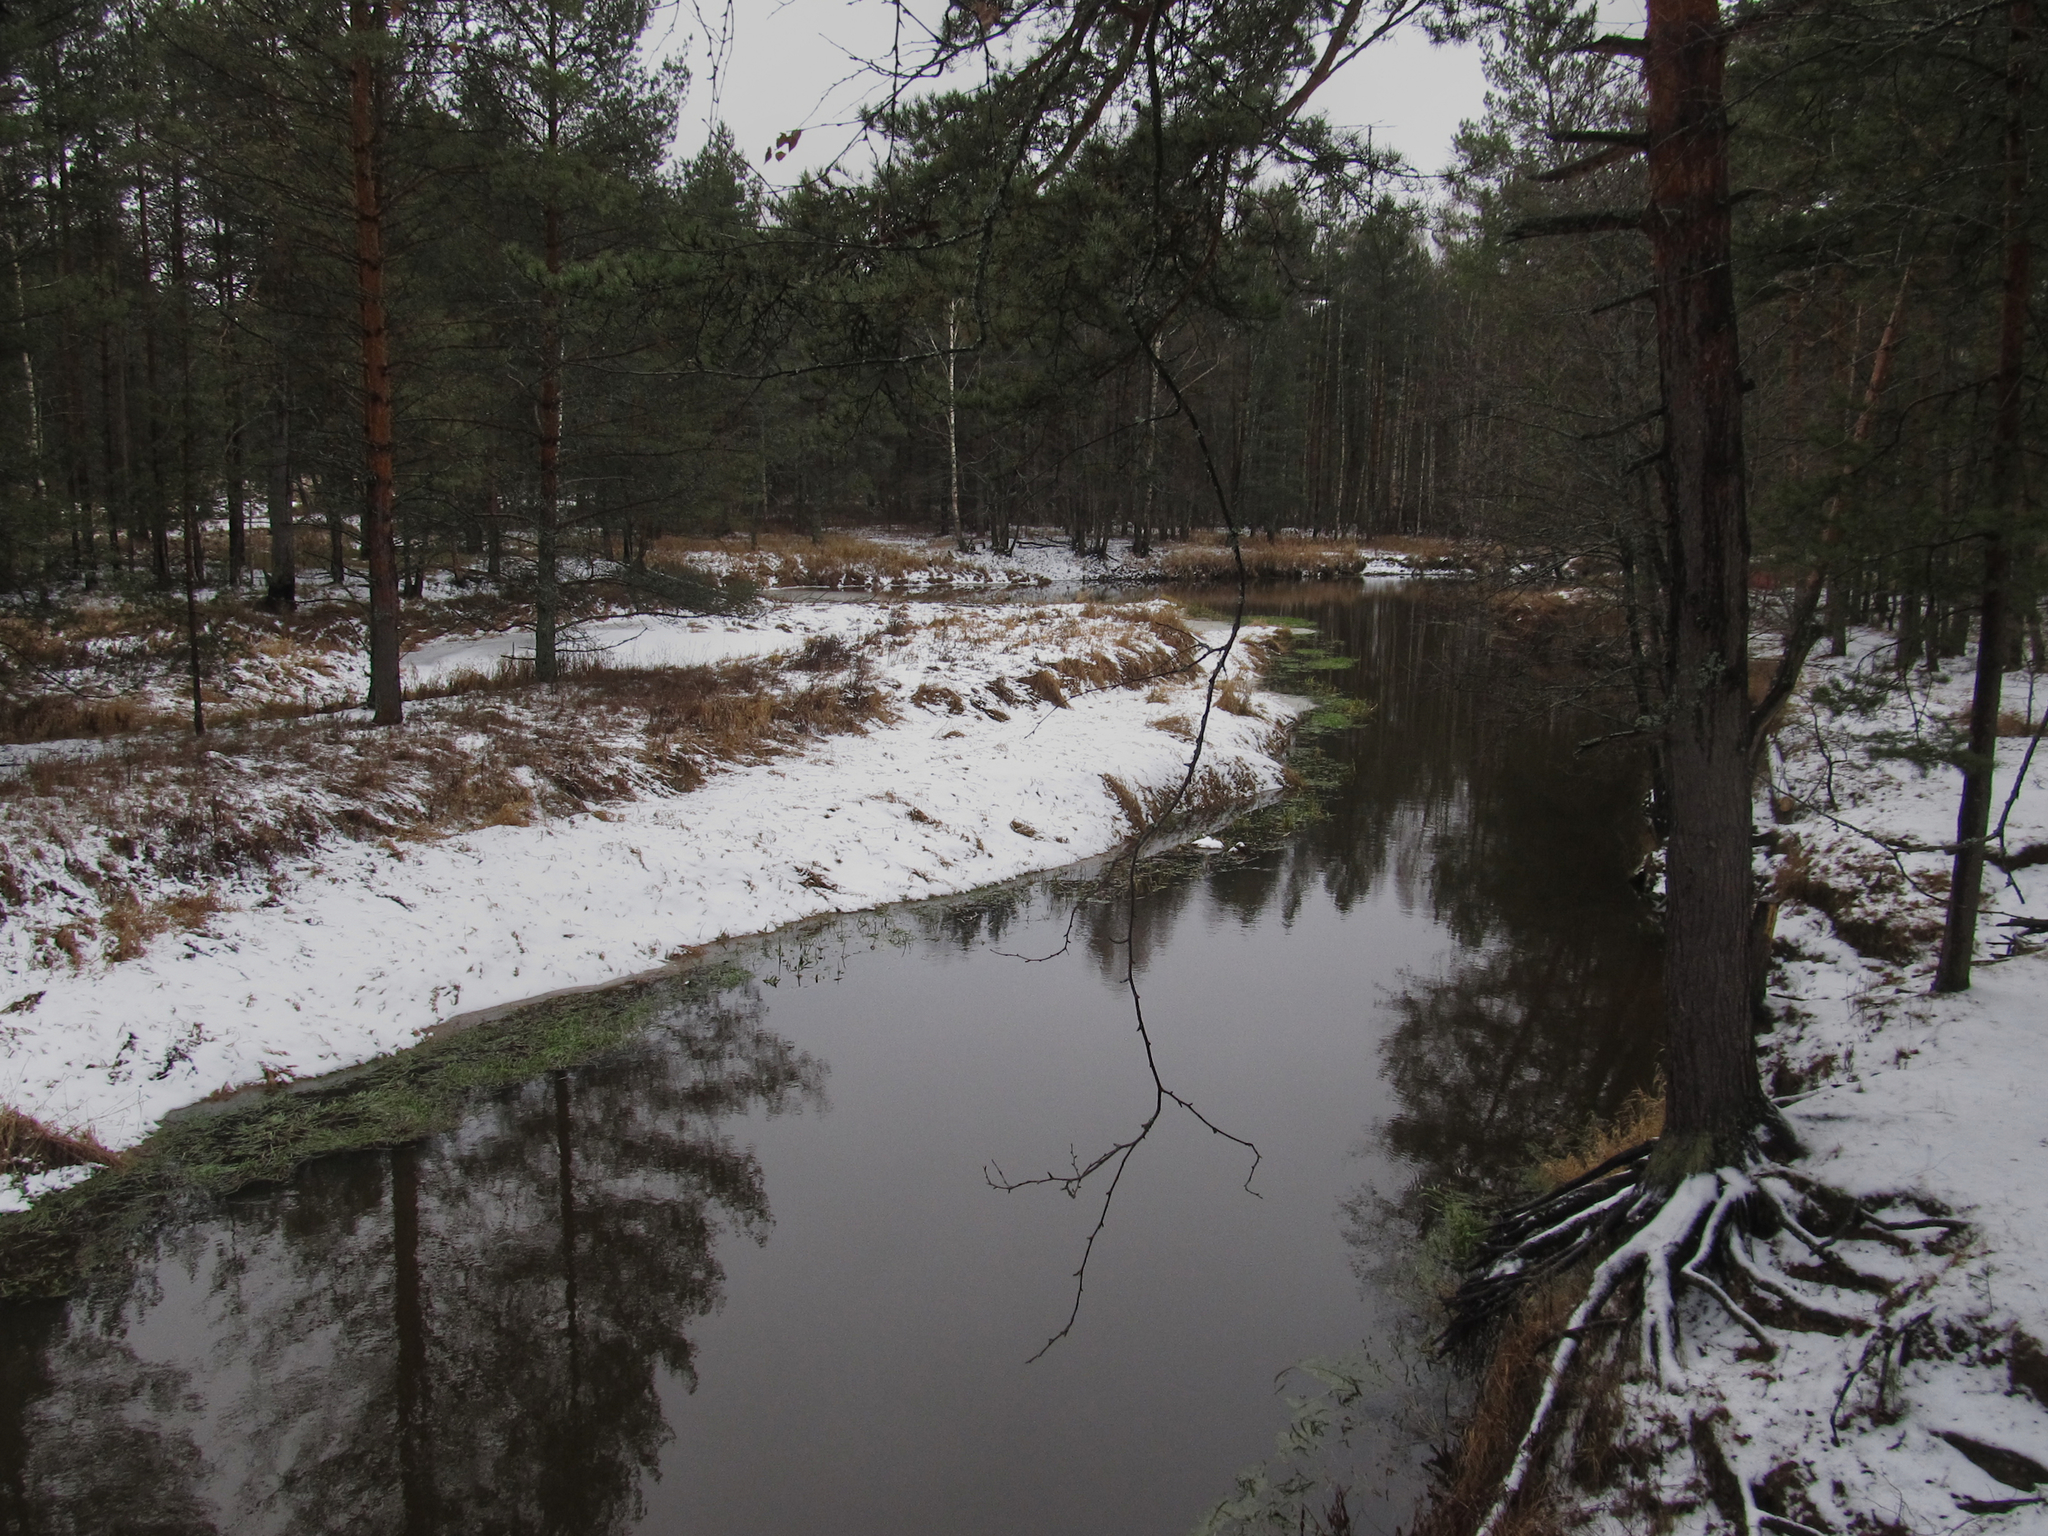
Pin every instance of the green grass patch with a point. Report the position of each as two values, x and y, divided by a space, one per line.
1209 615
1306 658
208 1151
1339 714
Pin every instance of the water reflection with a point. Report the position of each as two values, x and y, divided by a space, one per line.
465 1335
1546 1009
500 1329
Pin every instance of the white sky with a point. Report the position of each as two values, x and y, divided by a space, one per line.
791 64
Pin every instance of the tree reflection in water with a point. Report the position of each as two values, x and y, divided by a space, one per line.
462 1335
473 1334
1481 813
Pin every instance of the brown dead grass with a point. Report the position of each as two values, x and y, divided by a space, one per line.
931 696
837 561
1214 792
62 717
1640 1117
1293 557
1865 899
2014 722
166 810
1520 1356
27 1145
129 924
1502 1407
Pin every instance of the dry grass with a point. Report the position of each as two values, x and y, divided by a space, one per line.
1294 557
1640 1117
1501 1409
63 717
2014 722
130 923
835 561
115 849
1520 1356
1865 899
115 667
143 833
932 696
1214 792
27 1145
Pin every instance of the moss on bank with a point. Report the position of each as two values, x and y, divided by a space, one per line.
262 1136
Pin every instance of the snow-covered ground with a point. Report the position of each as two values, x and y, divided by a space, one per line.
1041 557
1912 1395
353 948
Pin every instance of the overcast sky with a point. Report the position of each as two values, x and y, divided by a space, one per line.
794 64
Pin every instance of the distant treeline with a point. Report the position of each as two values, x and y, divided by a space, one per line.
276 266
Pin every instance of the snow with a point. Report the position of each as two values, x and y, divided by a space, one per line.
1917 1105
19 1194
631 642
354 949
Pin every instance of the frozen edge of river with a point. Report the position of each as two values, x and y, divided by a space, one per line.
364 947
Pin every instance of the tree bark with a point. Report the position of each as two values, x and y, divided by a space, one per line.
2008 494
953 423
281 592
159 521
546 666
367 20
1715 1100
188 484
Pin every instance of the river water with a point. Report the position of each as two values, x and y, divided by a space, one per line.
749 1275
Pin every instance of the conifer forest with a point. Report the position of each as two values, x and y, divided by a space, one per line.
1497 703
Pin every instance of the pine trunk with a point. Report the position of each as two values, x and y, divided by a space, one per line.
1715 1100
281 592
2008 492
367 19
546 666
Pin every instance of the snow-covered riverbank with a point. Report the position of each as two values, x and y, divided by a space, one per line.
1001 741
1905 1387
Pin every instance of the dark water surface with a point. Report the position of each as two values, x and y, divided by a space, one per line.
748 1277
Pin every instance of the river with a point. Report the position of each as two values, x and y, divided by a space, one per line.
749 1275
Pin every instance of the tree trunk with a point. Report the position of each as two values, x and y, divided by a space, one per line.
2008 494
159 529
953 423
1141 546
114 451
281 591
1715 1100
367 18
188 486
546 668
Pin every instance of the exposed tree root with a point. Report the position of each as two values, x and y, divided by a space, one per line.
1657 1244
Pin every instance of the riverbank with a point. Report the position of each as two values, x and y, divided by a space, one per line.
292 897
1042 557
1897 1380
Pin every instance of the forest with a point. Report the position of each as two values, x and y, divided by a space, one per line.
1715 358
281 272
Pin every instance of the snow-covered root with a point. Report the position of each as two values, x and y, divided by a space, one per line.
1678 1240
1697 1236
1655 1249
1755 1519
1551 1234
